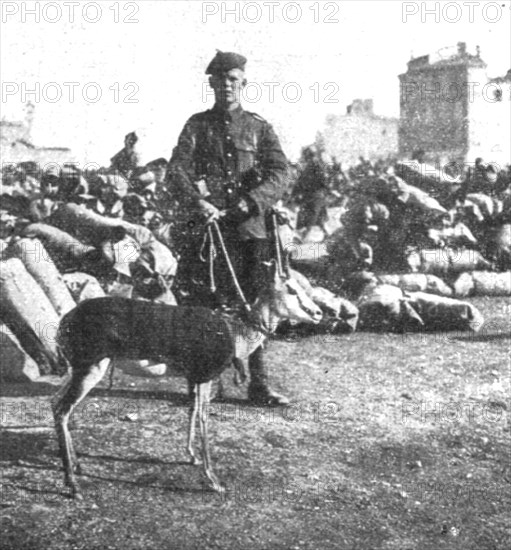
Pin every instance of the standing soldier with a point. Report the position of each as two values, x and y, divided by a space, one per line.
228 166
311 190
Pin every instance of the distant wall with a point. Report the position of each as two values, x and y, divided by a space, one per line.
16 146
448 110
20 153
433 108
348 137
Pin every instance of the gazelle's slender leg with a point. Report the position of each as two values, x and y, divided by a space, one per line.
58 394
67 398
111 377
194 407
54 403
203 391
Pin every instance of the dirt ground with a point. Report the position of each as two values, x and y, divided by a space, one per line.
392 442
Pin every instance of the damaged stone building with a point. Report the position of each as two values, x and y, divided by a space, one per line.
450 110
359 133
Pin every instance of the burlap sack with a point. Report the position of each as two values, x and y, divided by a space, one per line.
42 268
446 261
15 364
83 286
464 285
417 282
68 253
336 307
385 308
446 314
86 225
28 312
487 283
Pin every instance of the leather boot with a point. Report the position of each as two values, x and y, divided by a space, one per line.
259 392
217 390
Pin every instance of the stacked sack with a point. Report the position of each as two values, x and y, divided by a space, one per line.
483 283
59 250
30 316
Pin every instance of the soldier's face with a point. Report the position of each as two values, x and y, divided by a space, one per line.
227 87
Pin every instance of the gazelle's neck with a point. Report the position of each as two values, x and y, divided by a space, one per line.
247 338
262 317
253 327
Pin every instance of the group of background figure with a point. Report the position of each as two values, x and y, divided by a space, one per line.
380 215
110 231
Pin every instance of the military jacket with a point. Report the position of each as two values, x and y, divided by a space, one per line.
226 156
312 180
124 162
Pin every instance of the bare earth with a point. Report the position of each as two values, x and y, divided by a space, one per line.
393 442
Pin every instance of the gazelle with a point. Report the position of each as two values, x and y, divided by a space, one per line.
192 342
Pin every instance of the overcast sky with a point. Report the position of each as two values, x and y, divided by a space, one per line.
159 62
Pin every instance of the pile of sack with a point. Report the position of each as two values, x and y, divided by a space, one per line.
380 304
406 218
65 239
68 236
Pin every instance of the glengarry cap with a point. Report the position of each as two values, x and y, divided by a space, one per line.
226 61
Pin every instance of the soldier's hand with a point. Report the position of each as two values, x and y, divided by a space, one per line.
282 217
243 206
209 211
238 214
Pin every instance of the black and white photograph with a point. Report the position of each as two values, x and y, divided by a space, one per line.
255 275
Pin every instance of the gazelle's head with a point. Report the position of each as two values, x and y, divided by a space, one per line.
284 299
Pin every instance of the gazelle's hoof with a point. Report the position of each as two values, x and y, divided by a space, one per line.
74 492
195 461
74 488
216 487
219 488
215 484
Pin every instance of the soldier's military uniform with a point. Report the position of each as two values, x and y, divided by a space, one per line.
224 157
312 190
